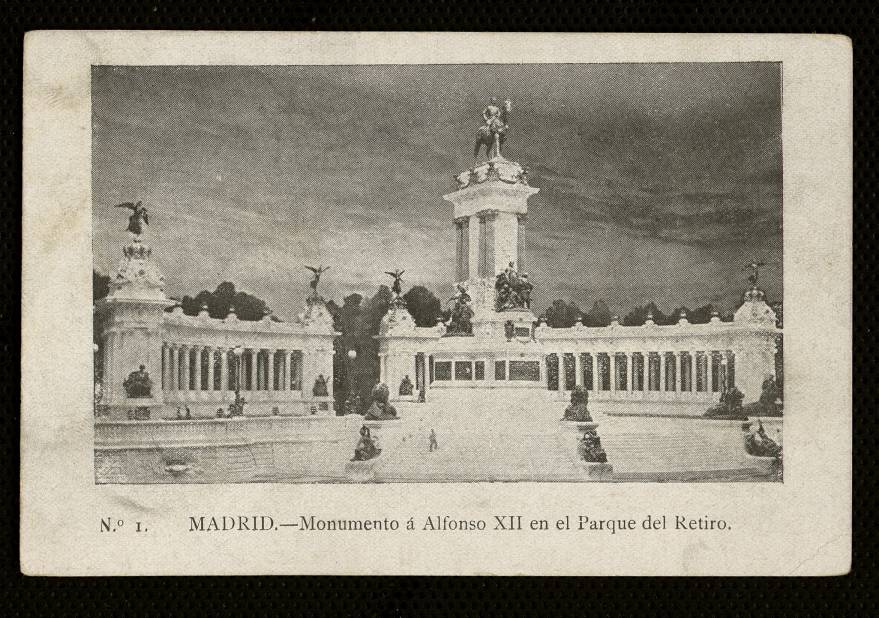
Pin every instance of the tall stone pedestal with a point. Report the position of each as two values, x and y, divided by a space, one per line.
132 316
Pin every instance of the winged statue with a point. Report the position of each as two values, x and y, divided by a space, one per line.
139 216
754 267
318 271
397 286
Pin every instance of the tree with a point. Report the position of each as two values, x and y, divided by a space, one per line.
701 315
424 306
562 314
219 302
100 285
599 315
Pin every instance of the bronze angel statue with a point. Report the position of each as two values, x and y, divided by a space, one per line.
138 217
754 267
318 271
397 286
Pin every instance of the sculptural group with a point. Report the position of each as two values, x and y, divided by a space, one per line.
138 384
380 409
461 314
512 289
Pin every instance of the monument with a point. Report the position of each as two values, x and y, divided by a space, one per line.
493 340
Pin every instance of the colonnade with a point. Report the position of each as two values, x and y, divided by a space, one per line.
207 368
680 371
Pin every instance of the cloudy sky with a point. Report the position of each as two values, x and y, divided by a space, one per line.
657 181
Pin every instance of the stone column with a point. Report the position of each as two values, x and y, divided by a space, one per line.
254 353
630 372
170 385
679 373
662 371
166 381
285 371
270 383
709 373
473 248
224 372
596 386
211 354
185 365
197 368
613 371
578 368
560 374
694 370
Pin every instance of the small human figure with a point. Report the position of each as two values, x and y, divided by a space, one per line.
179 414
188 413
433 443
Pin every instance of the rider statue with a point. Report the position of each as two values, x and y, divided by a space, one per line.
493 133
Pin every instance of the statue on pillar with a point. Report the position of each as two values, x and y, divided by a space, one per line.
138 384
406 386
138 218
318 271
320 387
397 285
493 133
754 267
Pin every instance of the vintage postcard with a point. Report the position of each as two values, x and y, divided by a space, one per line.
461 303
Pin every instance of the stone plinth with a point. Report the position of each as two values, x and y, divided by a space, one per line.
361 471
491 201
597 471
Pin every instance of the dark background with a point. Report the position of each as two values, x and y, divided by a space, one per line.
473 596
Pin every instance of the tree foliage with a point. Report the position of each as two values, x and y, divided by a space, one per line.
562 314
100 285
224 297
424 306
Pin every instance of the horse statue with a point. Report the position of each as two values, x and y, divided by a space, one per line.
494 132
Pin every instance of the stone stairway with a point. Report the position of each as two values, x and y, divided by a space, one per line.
512 435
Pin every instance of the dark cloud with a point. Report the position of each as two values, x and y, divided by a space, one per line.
657 181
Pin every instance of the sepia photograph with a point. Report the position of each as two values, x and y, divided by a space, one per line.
438 273
363 303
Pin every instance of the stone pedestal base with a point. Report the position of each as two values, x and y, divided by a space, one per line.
765 465
133 410
386 434
361 471
598 471
570 432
